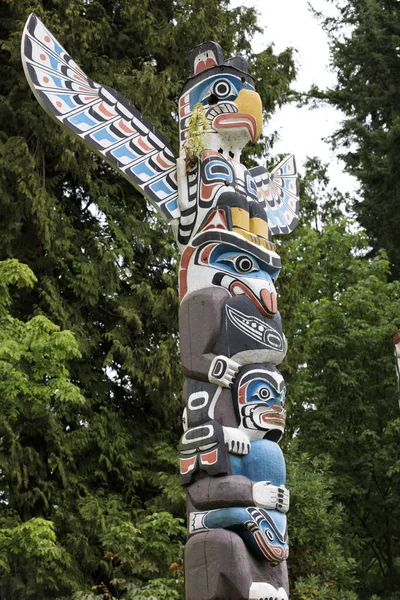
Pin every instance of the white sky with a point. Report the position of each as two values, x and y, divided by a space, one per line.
301 130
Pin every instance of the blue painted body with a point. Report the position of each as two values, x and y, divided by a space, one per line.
263 531
264 462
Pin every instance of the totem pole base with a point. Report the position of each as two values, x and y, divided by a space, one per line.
218 567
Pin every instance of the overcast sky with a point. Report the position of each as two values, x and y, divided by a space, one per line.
290 23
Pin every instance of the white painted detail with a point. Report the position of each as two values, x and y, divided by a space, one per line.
272 497
212 406
196 396
196 521
236 441
209 54
223 371
249 357
201 437
184 420
183 198
260 590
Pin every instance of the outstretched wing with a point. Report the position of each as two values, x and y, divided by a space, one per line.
280 192
101 117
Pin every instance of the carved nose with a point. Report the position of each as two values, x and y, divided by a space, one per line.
270 301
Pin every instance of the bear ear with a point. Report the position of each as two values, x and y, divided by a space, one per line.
205 56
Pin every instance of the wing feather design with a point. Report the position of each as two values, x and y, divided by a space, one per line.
280 192
101 117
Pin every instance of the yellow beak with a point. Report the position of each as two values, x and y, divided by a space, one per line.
249 103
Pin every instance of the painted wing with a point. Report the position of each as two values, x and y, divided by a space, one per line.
280 192
101 117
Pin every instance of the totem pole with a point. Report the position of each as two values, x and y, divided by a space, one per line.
223 217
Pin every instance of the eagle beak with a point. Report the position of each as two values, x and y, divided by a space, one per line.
248 102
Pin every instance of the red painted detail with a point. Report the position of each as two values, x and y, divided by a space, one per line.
213 223
187 464
242 393
143 145
235 289
270 301
59 104
122 125
206 253
234 120
105 112
88 98
184 110
279 552
186 256
79 78
208 153
210 458
46 79
278 416
208 189
42 57
273 553
204 65
46 38
264 547
163 163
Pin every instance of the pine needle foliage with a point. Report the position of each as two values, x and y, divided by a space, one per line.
365 43
340 309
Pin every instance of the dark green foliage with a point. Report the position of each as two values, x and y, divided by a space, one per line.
320 566
37 458
340 312
365 42
85 481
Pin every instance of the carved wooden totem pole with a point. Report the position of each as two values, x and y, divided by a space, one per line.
223 217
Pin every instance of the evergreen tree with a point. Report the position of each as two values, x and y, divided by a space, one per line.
365 42
101 470
36 398
339 313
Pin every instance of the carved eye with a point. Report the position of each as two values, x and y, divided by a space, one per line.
244 264
264 393
222 89
270 535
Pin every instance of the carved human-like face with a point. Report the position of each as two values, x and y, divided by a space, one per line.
233 267
233 107
260 397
